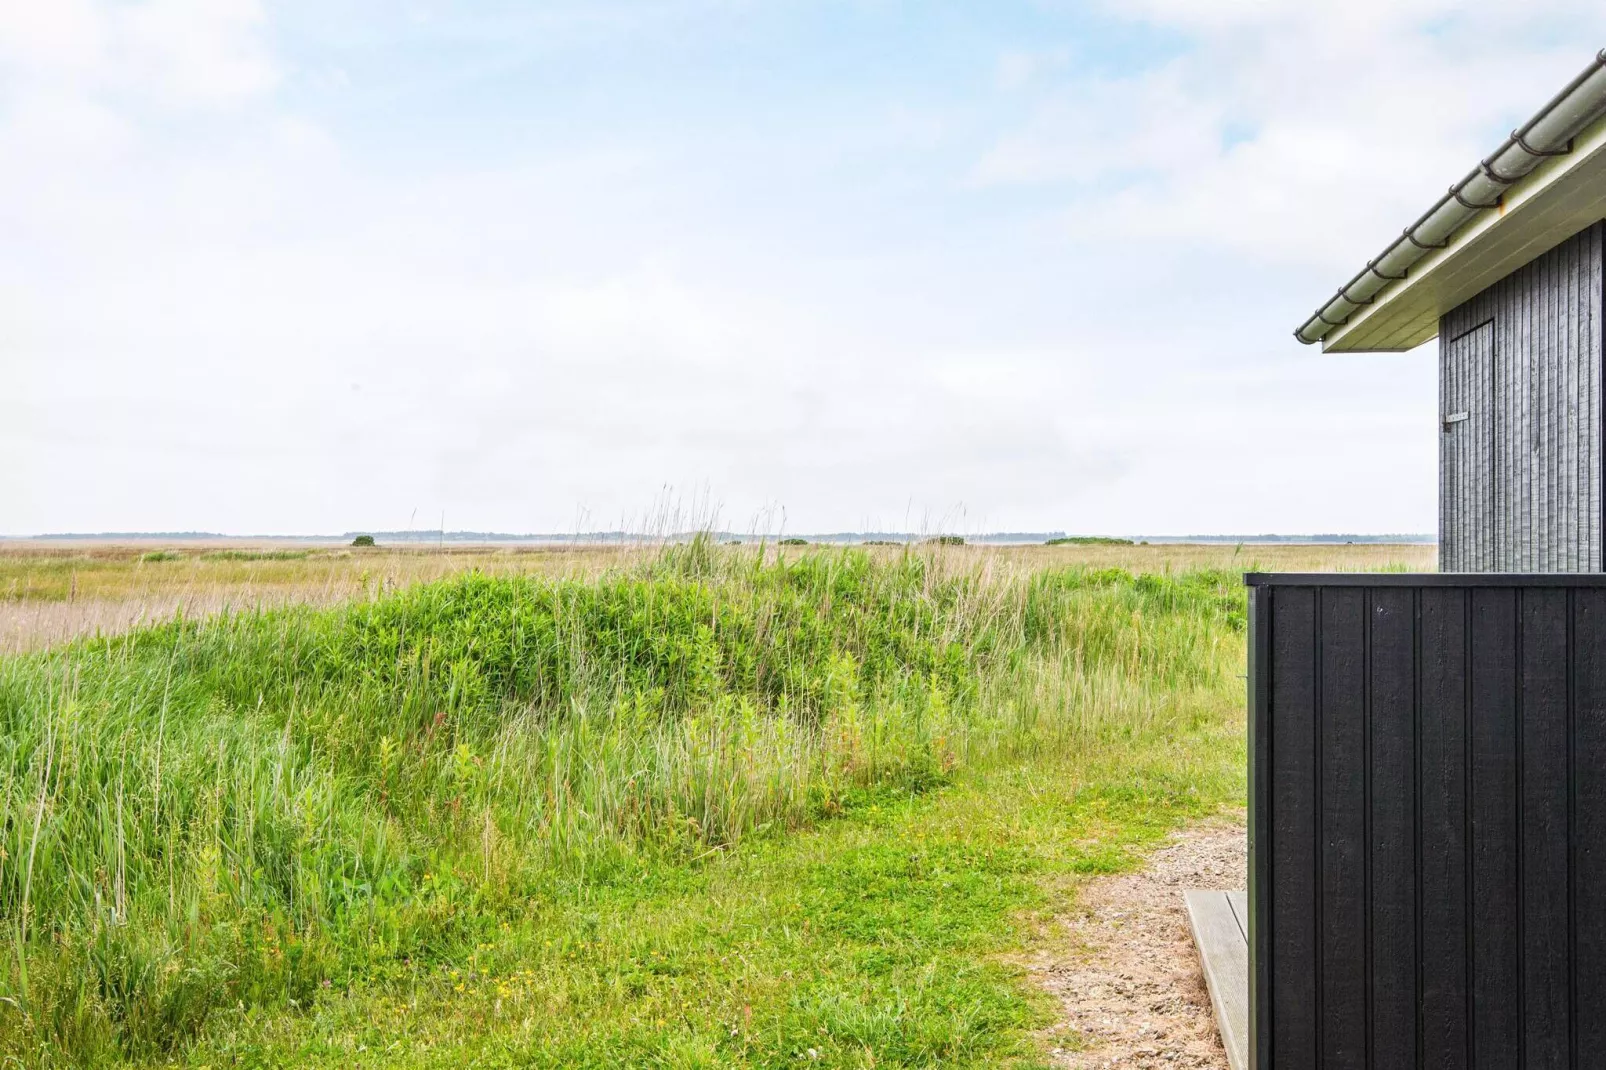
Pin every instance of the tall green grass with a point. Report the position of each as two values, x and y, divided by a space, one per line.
240 810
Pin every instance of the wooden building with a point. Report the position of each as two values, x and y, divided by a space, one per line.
1506 269
1427 775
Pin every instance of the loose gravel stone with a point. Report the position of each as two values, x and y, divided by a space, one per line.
1123 966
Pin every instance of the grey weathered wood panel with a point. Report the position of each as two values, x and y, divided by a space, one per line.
1218 921
1520 483
1428 821
1466 495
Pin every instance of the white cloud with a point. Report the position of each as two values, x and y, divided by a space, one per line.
226 311
1305 131
62 37
1018 68
189 52
1104 129
203 51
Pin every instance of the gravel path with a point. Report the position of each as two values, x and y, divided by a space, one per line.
1123 965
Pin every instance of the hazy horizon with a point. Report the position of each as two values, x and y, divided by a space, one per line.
426 535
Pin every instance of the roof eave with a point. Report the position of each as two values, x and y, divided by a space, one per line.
1547 144
1563 196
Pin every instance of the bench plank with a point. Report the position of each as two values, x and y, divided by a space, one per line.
1220 922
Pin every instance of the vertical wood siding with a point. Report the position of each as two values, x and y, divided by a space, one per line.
1520 479
1428 809
1466 489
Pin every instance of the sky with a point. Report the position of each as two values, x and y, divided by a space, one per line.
803 265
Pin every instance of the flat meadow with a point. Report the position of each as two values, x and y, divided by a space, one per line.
681 806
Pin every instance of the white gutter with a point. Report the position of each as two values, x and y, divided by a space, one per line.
1549 133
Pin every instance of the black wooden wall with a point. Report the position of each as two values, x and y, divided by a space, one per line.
1428 822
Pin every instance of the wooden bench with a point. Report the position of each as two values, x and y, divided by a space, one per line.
1220 924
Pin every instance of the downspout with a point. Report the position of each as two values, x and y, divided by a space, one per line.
1549 133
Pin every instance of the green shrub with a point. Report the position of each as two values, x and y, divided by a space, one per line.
363 540
256 555
1088 540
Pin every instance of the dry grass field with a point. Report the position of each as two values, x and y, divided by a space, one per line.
50 592
56 591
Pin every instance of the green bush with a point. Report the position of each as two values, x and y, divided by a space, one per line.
1088 540
363 540
256 555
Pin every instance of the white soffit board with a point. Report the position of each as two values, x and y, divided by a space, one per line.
1562 196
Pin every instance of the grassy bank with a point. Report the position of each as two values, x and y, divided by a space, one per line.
51 593
682 814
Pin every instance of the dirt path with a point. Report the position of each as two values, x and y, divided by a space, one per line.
1123 965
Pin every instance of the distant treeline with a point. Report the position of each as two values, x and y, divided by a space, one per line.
1054 538
1089 540
1394 538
